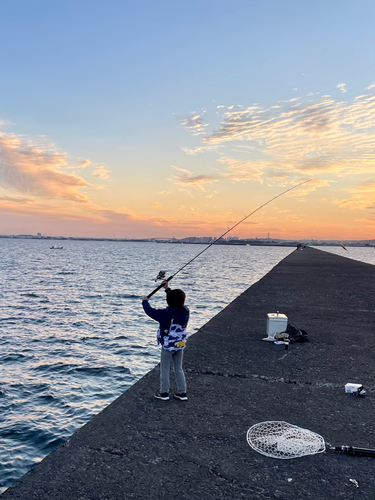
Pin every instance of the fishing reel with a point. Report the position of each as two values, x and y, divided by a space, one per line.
160 276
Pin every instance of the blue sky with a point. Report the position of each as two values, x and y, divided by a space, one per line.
114 82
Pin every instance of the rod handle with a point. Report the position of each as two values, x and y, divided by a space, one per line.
158 288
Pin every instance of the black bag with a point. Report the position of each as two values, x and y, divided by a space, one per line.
296 335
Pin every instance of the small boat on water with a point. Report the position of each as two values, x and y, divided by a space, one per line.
56 248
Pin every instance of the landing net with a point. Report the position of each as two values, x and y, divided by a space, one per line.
283 440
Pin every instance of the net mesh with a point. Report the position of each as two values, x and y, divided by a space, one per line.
283 440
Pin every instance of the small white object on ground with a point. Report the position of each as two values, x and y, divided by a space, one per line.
354 482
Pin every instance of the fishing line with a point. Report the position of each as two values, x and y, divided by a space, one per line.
222 236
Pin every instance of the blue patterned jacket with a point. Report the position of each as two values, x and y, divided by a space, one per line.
172 325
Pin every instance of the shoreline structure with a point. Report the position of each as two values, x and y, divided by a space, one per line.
264 242
142 448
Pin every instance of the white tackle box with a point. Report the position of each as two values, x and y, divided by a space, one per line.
276 323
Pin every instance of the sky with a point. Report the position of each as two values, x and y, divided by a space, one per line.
172 119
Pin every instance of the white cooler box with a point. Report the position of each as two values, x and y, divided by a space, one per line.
276 323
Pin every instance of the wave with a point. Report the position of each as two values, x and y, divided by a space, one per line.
55 367
99 371
34 321
60 340
83 370
83 323
127 296
49 399
44 440
12 357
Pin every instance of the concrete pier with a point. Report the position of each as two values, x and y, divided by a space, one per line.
143 448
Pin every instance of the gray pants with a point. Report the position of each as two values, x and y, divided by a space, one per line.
166 359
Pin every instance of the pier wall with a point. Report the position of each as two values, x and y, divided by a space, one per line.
143 448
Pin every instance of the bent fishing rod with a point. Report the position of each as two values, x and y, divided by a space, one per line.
162 273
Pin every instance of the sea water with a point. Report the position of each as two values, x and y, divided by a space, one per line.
74 335
363 254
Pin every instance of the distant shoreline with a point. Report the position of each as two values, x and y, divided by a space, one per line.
237 242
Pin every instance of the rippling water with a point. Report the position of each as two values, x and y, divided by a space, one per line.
364 254
74 335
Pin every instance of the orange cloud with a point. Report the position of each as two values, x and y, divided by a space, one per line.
363 197
84 163
35 169
242 170
187 178
319 136
309 187
101 172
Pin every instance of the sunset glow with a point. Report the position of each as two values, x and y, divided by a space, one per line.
169 120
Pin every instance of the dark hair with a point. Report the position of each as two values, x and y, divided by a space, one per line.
176 298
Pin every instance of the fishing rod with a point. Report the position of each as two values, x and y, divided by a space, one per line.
161 274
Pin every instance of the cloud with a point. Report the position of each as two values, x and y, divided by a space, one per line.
362 197
294 99
322 136
342 87
195 123
187 191
78 220
84 163
187 179
10 199
309 187
193 152
181 170
34 167
238 170
196 220
200 149
197 181
101 172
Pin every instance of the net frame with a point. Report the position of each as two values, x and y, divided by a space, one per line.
279 439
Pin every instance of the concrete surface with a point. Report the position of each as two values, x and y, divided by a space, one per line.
143 448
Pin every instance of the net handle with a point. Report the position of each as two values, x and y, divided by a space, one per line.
354 451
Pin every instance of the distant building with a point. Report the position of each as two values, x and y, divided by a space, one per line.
189 239
39 235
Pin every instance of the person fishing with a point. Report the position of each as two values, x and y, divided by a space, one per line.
171 336
174 319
